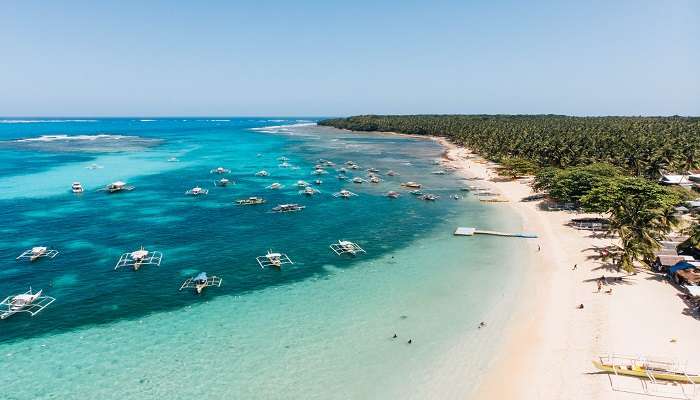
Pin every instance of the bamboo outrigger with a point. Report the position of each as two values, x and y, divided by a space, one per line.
645 368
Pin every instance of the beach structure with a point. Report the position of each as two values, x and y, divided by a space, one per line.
137 259
275 260
220 170
658 377
37 252
76 187
250 201
685 273
392 194
28 302
309 191
675 180
223 182
117 186
344 194
285 208
200 282
275 186
411 185
262 173
197 191
346 247
466 231
663 262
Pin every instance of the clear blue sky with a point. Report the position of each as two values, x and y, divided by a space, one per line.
90 58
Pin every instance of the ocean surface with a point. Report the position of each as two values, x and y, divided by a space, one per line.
321 328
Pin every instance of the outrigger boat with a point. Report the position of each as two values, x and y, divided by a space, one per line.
342 177
309 191
392 173
319 172
429 197
136 259
200 282
283 158
357 179
173 159
416 192
302 184
374 179
220 170
393 194
344 194
644 368
412 185
38 252
342 170
250 201
372 170
318 182
94 166
222 182
438 172
285 165
197 191
31 303
275 260
275 186
346 247
76 187
117 186
285 208
262 173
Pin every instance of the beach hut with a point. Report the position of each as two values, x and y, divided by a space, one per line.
674 180
664 262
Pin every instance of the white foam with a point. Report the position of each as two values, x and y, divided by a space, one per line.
54 138
147 120
42 121
280 128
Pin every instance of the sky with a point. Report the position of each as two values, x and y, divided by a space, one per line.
338 58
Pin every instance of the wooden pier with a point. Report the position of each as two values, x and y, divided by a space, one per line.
465 231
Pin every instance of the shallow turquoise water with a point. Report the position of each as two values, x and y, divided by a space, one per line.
318 329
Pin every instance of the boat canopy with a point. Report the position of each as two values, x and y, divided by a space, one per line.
201 277
680 266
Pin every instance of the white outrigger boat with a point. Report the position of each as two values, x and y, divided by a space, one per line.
76 187
285 208
374 179
342 177
220 170
285 165
117 186
302 184
262 173
357 179
283 159
372 170
393 194
276 260
138 258
173 159
250 201
275 186
200 282
319 171
223 182
309 191
37 252
346 247
439 172
318 182
31 303
392 173
412 185
197 191
429 197
344 194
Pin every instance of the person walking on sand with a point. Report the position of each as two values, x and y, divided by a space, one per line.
574 268
600 285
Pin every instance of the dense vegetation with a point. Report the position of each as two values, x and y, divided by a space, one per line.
601 164
643 146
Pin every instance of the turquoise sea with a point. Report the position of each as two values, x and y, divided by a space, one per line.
321 328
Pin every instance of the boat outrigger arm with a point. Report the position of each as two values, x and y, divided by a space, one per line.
346 247
138 258
28 302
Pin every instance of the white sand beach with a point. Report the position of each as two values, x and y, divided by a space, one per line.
550 346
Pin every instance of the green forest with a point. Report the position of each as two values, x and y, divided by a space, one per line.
606 165
643 146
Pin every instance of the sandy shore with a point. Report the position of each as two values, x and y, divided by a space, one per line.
550 345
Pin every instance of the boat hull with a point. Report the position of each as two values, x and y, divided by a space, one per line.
666 376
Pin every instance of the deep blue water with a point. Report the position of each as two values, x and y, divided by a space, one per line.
209 234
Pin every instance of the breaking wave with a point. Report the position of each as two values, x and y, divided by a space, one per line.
42 121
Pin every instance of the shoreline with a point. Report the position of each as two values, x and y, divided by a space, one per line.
548 347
